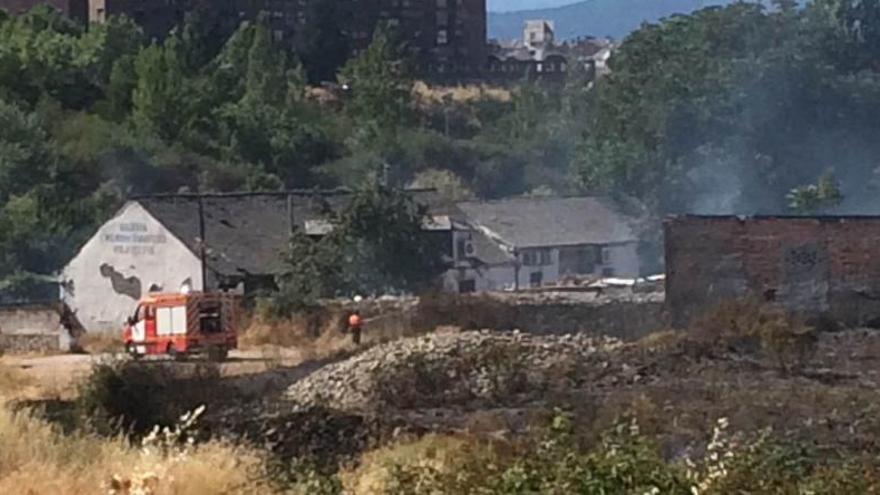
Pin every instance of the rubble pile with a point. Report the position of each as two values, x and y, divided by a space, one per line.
462 370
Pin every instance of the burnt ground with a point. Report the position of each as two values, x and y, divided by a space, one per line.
676 392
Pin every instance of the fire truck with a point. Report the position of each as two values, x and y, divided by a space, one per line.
182 324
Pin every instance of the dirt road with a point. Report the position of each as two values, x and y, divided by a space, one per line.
58 375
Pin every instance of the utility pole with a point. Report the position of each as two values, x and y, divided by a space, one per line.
202 242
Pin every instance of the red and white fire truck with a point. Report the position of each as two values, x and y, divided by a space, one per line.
182 324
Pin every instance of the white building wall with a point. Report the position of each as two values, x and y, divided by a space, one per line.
129 255
624 260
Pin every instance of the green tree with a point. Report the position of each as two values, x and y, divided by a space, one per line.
446 183
26 158
378 87
160 99
377 244
815 198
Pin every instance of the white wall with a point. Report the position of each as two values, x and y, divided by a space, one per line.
132 244
625 260
622 258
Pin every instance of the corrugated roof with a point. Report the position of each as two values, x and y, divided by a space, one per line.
536 222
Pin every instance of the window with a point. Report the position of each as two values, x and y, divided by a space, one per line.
278 35
466 286
442 18
537 257
608 272
442 37
141 313
441 4
536 279
210 317
605 253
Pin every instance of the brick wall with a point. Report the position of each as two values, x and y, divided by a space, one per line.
813 265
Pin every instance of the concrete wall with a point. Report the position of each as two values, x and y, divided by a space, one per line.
30 343
130 255
827 266
628 317
32 328
22 320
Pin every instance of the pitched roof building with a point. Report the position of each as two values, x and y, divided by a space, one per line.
527 242
240 241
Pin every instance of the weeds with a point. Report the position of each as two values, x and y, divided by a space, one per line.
13 381
748 326
37 457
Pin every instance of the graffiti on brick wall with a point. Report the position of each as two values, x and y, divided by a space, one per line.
805 277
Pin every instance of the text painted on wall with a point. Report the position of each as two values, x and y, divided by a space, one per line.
132 238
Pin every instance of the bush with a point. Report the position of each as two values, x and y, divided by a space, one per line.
133 397
748 326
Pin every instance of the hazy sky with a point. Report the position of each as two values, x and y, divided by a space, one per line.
508 5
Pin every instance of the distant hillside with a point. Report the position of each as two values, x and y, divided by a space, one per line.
615 18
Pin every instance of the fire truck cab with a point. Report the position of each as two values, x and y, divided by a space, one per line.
182 324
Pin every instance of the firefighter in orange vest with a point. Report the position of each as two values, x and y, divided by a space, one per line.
355 324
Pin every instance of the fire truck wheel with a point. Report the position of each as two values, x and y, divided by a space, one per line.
131 350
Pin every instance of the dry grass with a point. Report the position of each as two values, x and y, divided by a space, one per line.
38 458
435 95
101 343
319 336
443 455
14 383
313 339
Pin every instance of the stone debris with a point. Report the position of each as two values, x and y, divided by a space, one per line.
468 369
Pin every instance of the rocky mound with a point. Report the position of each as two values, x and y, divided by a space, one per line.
468 370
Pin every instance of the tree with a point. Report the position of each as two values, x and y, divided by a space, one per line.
446 183
815 198
159 99
26 159
378 87
377 245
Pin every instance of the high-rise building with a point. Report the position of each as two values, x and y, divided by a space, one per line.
75 9
446 38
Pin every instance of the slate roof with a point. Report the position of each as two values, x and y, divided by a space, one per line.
489 252
248 233
539 222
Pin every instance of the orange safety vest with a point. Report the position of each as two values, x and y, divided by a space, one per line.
354 321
